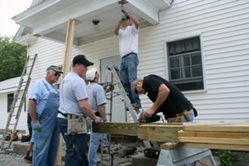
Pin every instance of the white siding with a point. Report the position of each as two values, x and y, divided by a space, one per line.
223 26
224 29
7 87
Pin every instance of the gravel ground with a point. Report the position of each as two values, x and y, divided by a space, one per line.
12 160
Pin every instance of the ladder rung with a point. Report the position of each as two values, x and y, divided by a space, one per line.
23 84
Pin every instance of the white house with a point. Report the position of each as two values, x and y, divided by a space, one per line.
202 46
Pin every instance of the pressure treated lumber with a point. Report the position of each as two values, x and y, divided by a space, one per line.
212 136
159 132
217 146
129 129
225 127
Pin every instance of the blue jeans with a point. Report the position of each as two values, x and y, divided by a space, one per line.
95 139
128 74
76 146
191 115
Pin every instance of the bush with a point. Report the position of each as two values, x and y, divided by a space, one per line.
225 157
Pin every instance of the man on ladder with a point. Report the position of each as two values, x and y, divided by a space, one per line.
127 31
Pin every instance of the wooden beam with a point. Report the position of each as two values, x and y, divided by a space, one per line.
215 136
159 132
240 128
66 69
217 146
68 45
116 128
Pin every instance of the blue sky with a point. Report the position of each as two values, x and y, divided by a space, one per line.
8 9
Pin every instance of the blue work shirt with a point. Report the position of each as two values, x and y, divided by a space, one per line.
40 93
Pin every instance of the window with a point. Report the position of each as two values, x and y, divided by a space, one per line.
185 64
10 98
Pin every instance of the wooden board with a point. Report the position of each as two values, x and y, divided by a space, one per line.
213 136
159 132
217 146
231 127
116 128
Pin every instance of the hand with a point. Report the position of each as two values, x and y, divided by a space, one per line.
149 112
36 125
96 120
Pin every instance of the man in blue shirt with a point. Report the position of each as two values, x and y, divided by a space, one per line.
43 109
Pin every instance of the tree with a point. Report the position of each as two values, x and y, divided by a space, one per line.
12 58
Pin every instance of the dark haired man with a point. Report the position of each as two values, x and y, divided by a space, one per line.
167 99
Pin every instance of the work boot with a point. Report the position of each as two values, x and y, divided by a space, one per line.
28 158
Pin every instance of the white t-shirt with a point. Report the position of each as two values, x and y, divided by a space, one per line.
128 40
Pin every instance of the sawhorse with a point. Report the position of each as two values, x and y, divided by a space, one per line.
182 156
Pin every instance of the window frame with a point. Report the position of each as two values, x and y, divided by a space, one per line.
9 103
201 79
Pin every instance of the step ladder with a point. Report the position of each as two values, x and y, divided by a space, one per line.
18 101
115 78
134 115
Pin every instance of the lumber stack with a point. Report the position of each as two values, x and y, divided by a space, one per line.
195 135
215 136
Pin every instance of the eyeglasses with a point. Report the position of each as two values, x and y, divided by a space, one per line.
57 74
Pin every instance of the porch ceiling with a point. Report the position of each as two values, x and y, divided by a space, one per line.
50 17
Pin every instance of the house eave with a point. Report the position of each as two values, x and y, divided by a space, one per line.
50 17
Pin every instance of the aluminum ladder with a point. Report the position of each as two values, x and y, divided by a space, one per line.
18 101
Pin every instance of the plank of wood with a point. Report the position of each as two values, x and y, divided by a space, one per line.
66 69
217 146
116 128
230 141
159 132
208 134
240 128
68 45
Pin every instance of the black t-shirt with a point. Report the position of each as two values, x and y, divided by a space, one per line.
175 103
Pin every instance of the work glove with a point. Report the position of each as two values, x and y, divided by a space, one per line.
36 125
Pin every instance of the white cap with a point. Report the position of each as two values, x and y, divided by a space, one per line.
90 74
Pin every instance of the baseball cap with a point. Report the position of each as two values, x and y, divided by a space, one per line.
81 59
90 74
55 68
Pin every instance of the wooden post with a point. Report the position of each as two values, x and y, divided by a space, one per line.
66 68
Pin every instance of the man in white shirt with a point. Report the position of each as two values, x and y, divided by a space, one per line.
127 31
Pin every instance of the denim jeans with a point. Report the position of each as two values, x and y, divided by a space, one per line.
191 115
128 74
95 139
76 146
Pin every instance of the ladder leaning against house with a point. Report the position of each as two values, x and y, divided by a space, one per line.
18 100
